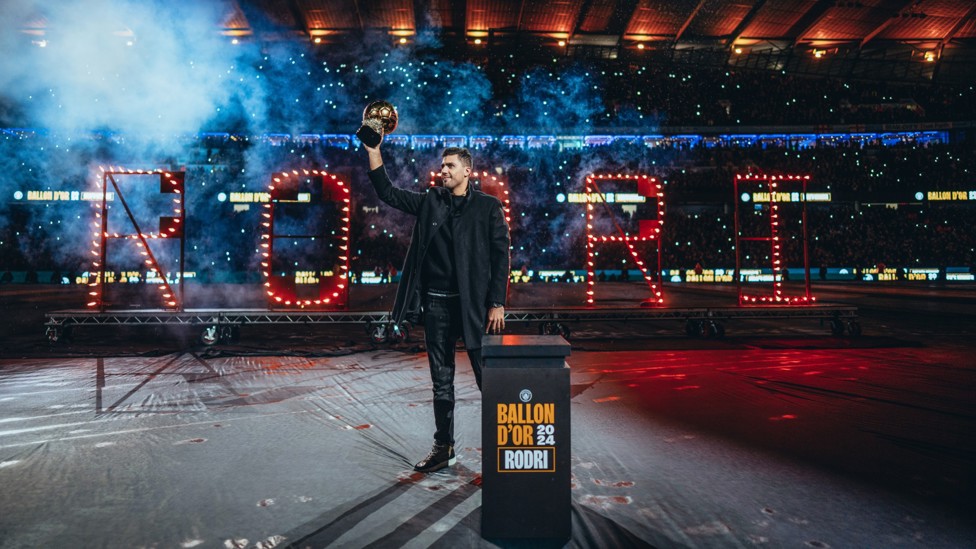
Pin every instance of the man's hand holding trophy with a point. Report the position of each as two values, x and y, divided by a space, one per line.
379 118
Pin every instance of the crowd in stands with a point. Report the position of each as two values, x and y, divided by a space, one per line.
714 97
548 230
853 230
636 94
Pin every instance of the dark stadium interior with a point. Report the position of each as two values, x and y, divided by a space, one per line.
220 417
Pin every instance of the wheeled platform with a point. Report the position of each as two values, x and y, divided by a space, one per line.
223 324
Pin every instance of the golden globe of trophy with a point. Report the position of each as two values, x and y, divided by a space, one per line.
379 118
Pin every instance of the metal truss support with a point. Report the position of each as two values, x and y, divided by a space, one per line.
217 323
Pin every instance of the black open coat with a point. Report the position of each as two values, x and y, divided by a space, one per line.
481 251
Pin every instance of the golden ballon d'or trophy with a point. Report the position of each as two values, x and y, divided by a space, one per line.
379 119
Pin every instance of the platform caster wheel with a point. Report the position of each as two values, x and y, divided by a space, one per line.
854 328
717 328
836 327
554 328
399 332
707 329
229 333
54 334
378 333
210 335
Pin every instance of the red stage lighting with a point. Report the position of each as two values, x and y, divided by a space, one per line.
773 185
648 230
172 183
331 286
169 227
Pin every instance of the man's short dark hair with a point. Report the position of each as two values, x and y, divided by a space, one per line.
464 155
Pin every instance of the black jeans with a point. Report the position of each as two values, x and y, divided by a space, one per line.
442 329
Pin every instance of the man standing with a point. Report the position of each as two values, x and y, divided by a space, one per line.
454 279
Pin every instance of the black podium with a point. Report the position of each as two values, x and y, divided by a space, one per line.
525 437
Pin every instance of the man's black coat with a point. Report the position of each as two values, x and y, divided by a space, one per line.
481 251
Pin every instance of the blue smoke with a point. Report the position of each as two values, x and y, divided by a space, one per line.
562 102
134 83
150 70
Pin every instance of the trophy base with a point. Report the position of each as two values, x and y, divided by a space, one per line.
369 136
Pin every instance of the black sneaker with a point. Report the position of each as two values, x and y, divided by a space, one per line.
440 456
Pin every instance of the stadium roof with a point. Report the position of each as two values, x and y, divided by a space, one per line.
730 22
904 32
653 22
